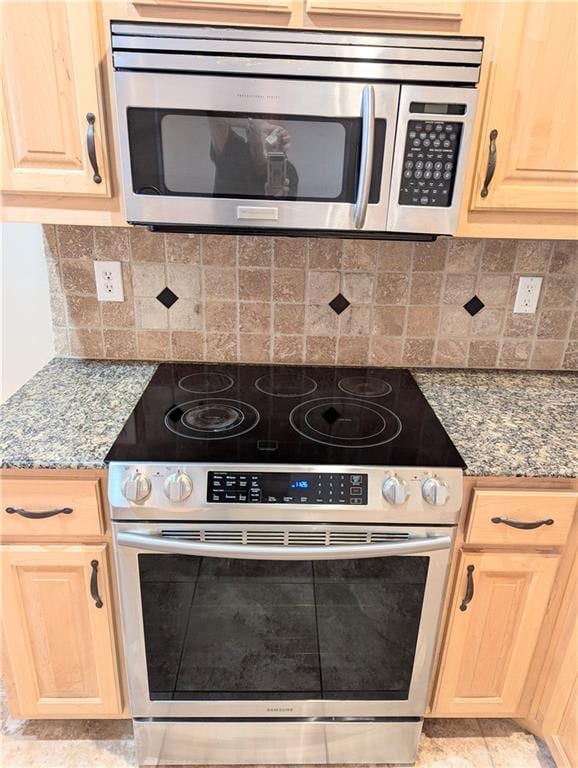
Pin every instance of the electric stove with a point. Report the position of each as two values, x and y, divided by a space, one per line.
282 538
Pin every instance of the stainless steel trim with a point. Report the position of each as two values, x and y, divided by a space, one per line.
295 48
152 543
321 742
255 66
367 147
413 218
141 706
192 31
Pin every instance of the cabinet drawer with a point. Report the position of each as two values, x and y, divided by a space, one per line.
45 507
520 518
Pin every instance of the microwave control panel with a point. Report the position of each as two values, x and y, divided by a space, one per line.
430 160
286 488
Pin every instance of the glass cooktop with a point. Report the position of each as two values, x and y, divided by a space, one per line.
284 414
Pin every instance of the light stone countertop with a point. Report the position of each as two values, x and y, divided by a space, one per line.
69 414
503 423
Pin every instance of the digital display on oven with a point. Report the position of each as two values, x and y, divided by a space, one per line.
286 488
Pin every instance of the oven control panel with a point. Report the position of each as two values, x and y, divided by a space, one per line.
430 160
286 488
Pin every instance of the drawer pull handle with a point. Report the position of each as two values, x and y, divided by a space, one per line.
522 526
38 515
491 167
94 584
469 589
91 147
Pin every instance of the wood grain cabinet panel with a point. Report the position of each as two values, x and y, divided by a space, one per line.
491 638
72 508
553 511
60 644
272 6
50 82
530 100
435 9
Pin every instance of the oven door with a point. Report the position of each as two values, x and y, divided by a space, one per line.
229 620
230 152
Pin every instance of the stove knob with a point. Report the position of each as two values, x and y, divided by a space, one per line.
178 486
395 490
435 491
136 487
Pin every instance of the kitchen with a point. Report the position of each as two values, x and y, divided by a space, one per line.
361 298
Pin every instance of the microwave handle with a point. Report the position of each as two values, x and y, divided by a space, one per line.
367 143
162 545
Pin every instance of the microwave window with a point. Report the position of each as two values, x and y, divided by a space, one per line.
202 154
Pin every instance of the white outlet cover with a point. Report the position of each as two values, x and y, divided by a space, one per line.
527 295
108 276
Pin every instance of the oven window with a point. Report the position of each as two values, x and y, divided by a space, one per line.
255 629
233 155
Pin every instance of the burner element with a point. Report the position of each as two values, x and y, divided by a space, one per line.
208 382
345 422
365 386
212 419
286 383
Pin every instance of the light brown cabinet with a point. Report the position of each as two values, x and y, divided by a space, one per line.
57 69
57 606
380 15
527 123
495 617
51 83
59 635
509 581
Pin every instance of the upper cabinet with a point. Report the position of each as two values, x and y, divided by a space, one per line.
252 12
60 160
525 172
384 15
54 139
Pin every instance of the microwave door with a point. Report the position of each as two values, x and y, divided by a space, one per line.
211 151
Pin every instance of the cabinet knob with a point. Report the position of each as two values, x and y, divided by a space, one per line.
178 486
136 487
435 492
395 490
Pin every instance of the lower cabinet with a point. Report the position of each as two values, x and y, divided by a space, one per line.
497 610
59 630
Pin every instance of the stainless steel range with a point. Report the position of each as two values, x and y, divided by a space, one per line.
282 539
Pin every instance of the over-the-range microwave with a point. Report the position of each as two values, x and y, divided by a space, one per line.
293 132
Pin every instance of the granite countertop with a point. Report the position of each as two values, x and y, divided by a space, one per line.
503 423
69 414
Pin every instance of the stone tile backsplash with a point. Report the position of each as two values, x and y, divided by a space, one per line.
260 299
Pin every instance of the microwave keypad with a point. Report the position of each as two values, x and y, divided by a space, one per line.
430 159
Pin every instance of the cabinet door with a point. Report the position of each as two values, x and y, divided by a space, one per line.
491 636
374 15
531 103
59 642
50 83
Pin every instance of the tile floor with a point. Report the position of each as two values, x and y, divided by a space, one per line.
109 744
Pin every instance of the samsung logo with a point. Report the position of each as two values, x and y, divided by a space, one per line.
279 709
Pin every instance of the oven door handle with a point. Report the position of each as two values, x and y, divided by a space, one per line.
366 165
412 546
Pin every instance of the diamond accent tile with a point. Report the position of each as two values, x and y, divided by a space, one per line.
474 305
339 304
331 415
167 298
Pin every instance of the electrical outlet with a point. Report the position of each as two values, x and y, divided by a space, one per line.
527 295
108 281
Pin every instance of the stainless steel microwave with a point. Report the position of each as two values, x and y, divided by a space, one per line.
288 131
